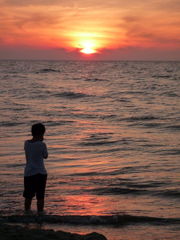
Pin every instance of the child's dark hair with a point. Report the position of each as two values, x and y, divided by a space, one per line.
38 129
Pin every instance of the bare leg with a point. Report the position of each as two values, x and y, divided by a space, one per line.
40 205
27 204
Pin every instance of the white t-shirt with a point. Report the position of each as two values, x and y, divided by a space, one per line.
35 153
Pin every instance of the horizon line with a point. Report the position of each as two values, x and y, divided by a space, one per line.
92 60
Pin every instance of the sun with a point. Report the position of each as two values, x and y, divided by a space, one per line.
87 43
88 50
88 47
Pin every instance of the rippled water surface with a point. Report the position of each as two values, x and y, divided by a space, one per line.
112 134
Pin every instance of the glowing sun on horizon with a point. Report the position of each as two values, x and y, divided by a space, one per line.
87 50
88 47
87 43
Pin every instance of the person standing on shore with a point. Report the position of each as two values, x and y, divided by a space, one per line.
35 174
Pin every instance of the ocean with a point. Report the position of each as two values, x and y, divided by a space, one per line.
112 131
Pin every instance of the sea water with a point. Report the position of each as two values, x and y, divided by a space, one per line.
112 135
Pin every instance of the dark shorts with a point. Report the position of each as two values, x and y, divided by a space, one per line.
35 186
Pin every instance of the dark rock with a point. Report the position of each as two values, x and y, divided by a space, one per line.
9 232
94 236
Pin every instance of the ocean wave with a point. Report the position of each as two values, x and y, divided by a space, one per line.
71 95
169 94
161 76
108 116
48 70
118 191
15 165
124 170
136 190
144 185
97 143
95 80
153 125
58 123
89 220
99 139
145 121
141 118
10 124
133 92
169 152
174 127
170 193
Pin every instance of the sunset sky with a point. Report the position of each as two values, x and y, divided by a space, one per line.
90 29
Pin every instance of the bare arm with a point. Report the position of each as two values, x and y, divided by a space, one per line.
45 152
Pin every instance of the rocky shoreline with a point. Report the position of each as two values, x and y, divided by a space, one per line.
13 232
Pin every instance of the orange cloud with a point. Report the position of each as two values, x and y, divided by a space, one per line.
100 24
